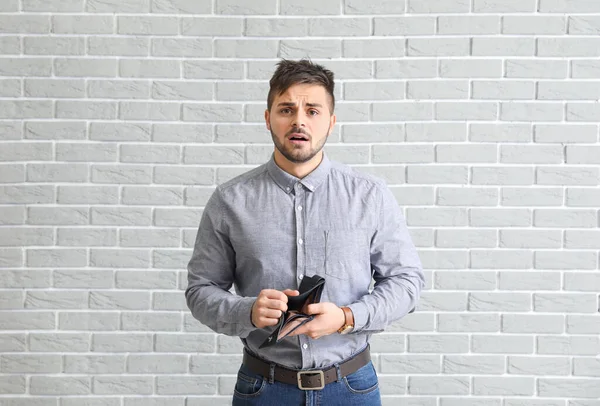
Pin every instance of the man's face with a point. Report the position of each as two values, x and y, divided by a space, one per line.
300 121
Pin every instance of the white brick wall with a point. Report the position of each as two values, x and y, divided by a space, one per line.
119 117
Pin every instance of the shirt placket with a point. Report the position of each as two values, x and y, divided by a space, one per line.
299 199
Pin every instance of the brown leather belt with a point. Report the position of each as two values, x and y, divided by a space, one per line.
307 379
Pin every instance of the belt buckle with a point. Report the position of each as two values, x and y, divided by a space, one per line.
320 373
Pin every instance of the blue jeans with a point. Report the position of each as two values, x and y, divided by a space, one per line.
360 388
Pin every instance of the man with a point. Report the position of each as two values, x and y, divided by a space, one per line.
297 216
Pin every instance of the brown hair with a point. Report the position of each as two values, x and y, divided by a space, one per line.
289 73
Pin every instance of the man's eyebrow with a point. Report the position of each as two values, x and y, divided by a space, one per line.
292 104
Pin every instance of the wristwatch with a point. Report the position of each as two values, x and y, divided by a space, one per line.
348 323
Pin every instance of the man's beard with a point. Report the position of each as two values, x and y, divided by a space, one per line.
297 155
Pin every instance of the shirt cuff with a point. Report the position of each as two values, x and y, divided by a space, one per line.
244 316
361 315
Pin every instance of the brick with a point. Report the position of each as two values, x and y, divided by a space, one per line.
17 109
366 48
565 303
586 367
12 173
147 25
56 257
572 133
59 385
389 342
570 176
582 239
463 110
501 259
59 342
11 300
117 6
82 279
85 67
157 364
410 364
57 130
444 259
442 301
565 387
149 111
247 48
118 342
436 89
171 259
566 47
58 215
503 90
568 6
182 47
143 237
86 110
528 111
438 47
12 215
54 46
172 90
566 260
529 280
468 25
162 401
120 300
184 385
153 280
188 175
473 364
122 46
119 132
86 237
468 323
470 68
582 112
213 155
400 111
10 6
433 385
119 258
195 343
530 239
538 365
409 195
466 280
538 69
11 130
580 90
317 48
55 299
25 24
121 216
402 154
158 154
502 344
31 363
435 132
118 89
176 218
213 70
515 196
26 151
438 343
197 196
356 133
584 68
532 324
311 7
504 6
94 364
379 90
559 345
503 386
121 174
448 153
347 27
238 91
147 68
404 25
11 257
88 321
582 154
499 302
437 174
205 112
10 87
88 194
26 66
502 175
57 172
436 216
406 68
182 133
181 7
123 385
565 218
534 154
82 24
439 6
457 238
169 301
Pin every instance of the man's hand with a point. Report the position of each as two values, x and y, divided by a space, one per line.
328 320
269 305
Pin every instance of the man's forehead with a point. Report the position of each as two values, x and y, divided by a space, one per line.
312 93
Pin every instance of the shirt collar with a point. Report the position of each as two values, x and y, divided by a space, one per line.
311 181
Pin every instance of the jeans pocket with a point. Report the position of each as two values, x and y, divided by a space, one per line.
248 385
362 381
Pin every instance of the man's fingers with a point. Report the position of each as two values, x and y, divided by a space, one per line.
274 294
315 308
270 313
291 292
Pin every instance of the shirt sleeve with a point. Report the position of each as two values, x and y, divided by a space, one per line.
211 273
397 271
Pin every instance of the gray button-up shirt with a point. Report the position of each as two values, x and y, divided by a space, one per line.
267 229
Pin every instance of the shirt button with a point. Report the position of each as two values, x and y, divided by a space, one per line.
298 186
300 241
300 276
287 188
299 208
305 346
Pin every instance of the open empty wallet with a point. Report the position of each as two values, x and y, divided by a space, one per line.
310 290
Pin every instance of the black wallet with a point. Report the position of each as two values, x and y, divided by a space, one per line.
310 290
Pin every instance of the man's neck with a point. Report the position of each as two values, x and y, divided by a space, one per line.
298 170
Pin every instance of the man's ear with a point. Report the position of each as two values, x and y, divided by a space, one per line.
267 121
332 121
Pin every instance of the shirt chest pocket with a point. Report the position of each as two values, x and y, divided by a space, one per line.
342 254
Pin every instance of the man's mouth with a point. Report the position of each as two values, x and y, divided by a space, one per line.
298 137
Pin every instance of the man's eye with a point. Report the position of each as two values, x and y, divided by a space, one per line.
313 112
285 111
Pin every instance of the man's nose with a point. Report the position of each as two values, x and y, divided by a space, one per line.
299 119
